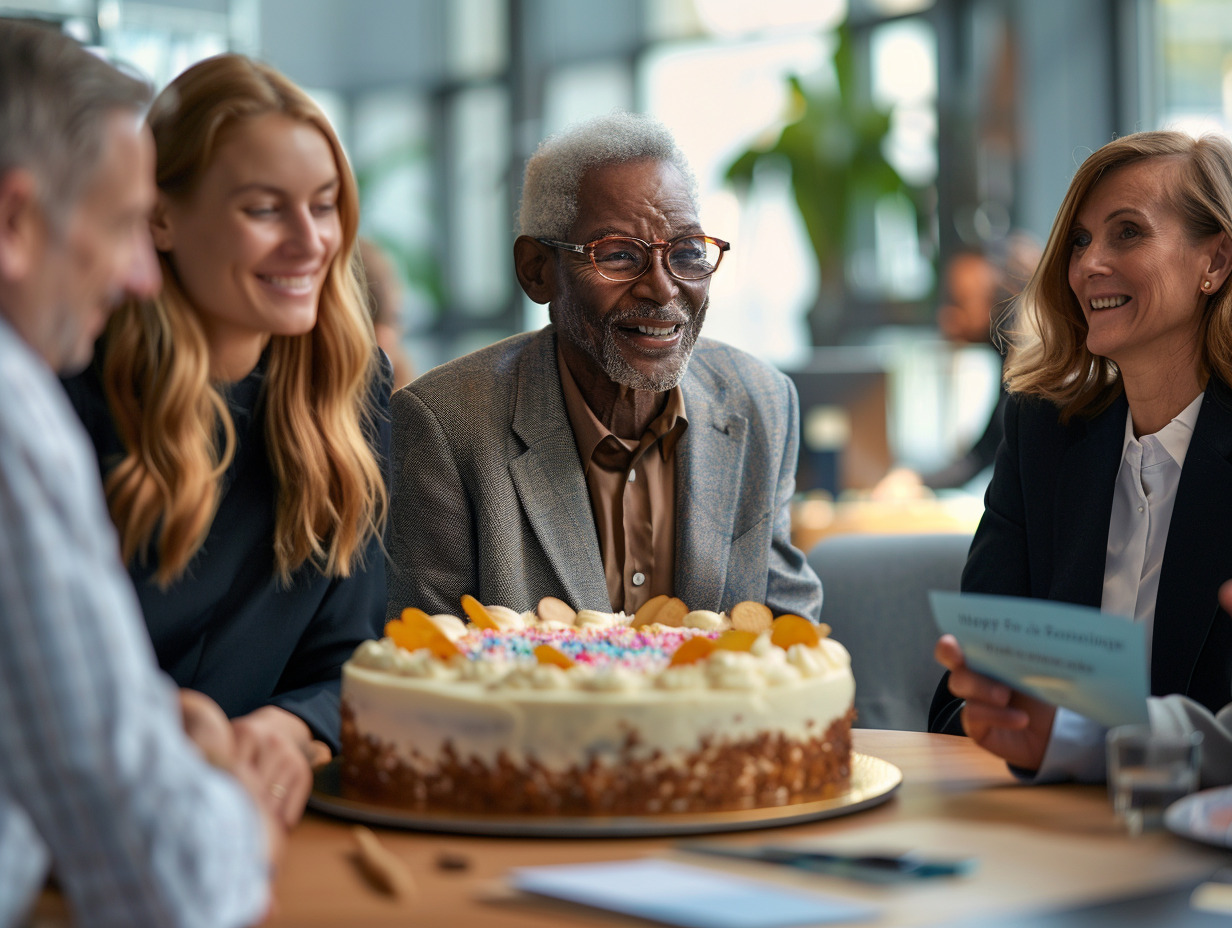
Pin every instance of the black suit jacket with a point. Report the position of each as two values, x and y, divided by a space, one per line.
1044 534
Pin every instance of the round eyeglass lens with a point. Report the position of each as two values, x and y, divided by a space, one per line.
621 258
693 257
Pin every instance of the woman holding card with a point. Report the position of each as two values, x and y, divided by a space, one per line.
1115 474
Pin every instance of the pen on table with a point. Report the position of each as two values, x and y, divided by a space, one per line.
906 865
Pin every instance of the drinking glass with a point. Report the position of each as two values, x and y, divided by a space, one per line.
1148 771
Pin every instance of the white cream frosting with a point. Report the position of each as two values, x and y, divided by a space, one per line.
417 702
705 620
451 626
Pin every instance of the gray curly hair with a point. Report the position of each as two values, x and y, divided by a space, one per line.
554 172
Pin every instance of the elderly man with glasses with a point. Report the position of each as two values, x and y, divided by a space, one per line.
613 455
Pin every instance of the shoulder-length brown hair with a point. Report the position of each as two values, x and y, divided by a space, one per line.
174 422
1048 357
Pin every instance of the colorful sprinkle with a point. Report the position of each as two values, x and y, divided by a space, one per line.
633 649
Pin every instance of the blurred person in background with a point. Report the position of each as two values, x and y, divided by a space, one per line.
385 305
980 287
240 418
1115 476
98 782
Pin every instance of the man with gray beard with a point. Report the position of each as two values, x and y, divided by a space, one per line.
613 455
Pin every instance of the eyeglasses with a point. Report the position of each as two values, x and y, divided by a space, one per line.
617 257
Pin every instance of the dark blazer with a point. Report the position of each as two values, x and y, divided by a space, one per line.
1044 534
490 499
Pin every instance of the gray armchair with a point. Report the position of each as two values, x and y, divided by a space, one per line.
876 601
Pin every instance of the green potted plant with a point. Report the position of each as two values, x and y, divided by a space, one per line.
832 148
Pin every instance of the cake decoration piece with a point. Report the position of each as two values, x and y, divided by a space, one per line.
593 618
793 629
672 613
505 618
418 620
752 617
704 619
451 626
692 650
546 654
415 637
735 639
554 610
478 613
649 609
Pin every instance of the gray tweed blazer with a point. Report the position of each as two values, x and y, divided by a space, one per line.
489 497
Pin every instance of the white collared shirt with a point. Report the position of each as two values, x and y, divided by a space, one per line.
1141 511
1142 503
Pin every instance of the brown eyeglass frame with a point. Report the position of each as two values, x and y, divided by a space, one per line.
589 250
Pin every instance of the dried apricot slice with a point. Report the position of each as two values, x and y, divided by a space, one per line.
552 609
478 613
691 651
672 613
417 618
645 615
406 636
414 637
752 617
793 629
442 647
546 654
394 628
735 639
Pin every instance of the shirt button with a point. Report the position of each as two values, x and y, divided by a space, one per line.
1140 509
639 578
632 474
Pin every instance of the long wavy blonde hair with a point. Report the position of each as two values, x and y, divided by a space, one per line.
1048 357
174 422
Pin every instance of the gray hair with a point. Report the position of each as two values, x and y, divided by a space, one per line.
55 101
554 172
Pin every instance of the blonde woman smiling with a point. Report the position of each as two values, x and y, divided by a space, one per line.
1113 484
241 417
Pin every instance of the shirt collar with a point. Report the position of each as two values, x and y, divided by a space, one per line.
1175 436
588 431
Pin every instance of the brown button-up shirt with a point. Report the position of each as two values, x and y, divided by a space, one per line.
632 487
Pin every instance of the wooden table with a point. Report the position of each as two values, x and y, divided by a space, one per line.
1035 846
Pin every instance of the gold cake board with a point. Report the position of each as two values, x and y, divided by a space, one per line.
873 781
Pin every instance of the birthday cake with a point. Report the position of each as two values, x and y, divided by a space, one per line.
589 714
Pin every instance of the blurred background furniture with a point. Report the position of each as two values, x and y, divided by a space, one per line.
876 602
815 516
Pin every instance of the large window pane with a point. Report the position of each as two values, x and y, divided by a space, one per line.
479 265
760 296
1196 72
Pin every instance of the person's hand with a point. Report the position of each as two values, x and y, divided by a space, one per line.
1007 723
208 728
273 747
